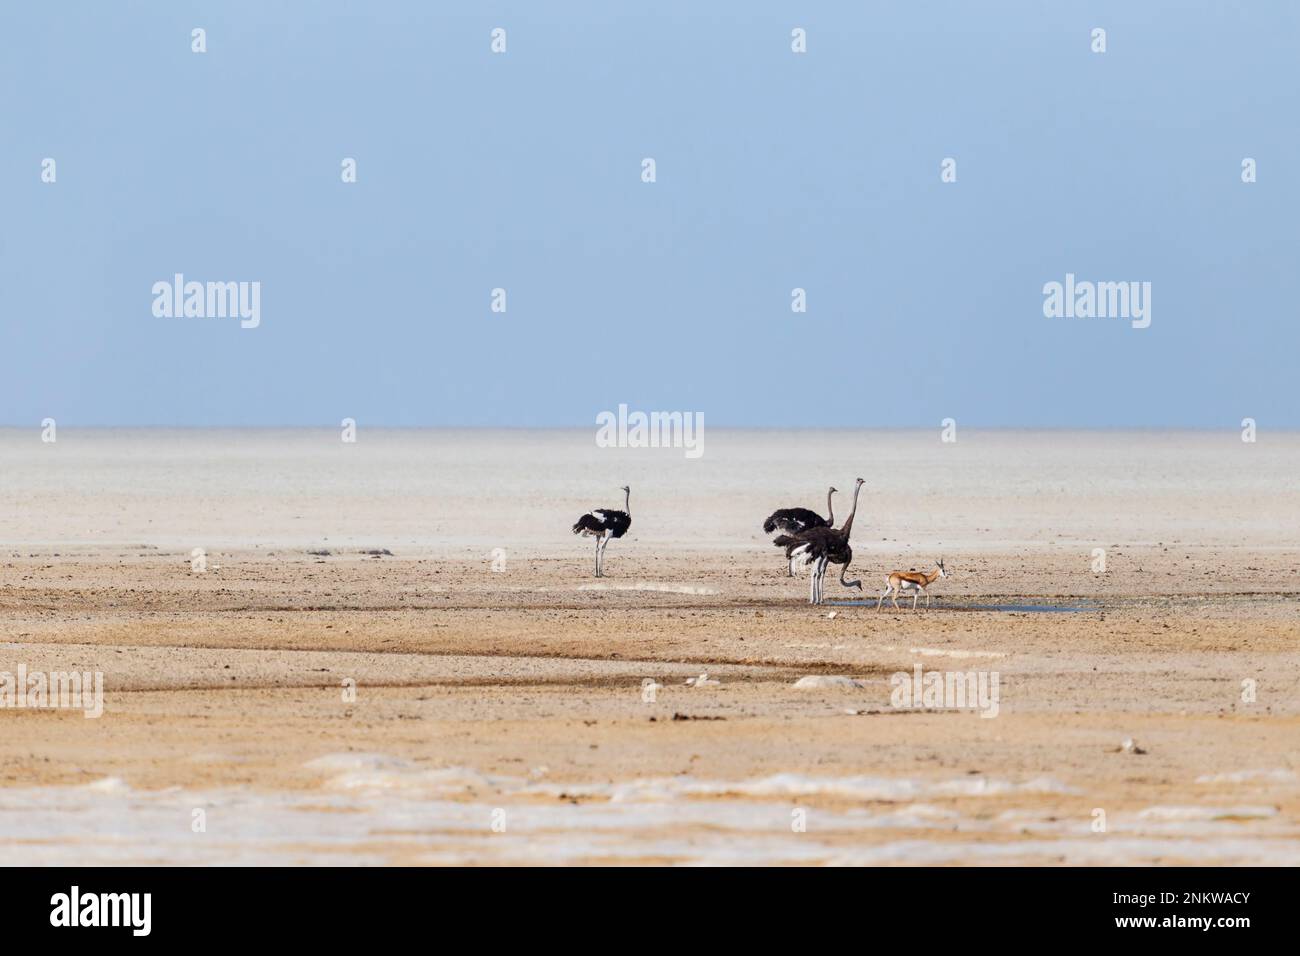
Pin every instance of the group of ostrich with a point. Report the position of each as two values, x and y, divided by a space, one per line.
807 537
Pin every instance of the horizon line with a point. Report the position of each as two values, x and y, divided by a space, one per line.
539 428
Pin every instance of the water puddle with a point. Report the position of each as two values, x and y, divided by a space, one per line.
1007 608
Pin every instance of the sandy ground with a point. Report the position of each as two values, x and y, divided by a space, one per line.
503 716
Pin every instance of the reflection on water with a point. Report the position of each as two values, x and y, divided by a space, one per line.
1010 608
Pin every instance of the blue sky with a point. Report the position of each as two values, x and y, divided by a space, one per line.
774 171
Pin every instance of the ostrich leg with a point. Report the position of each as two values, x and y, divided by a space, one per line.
597 555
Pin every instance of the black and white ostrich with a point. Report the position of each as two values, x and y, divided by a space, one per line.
605 523
818 547
795 520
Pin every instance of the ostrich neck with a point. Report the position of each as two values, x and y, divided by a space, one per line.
830 508
848 525
627 503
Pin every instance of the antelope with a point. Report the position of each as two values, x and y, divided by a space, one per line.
914 581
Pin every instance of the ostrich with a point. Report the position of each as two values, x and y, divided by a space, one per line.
819 547
605 523
794 520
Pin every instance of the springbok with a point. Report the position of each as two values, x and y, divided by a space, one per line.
914 581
